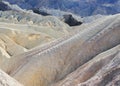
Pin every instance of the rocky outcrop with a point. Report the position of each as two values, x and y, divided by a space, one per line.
67 17
35 10
71 21
6 80
47 65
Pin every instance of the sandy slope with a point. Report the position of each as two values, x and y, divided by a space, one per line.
43 51
22 31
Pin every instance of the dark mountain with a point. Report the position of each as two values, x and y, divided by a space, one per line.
80 7
4 7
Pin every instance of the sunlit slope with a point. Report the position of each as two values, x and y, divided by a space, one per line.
49 64
22 31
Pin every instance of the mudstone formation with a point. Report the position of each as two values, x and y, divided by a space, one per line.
38 50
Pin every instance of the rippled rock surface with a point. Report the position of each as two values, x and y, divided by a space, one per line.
44 51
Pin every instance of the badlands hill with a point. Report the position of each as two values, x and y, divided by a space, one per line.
38 50
43 51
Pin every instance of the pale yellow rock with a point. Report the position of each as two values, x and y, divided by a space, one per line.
22 31
43 67
27 39
3 55
29 54
10 46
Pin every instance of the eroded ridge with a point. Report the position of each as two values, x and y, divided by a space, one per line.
54 63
